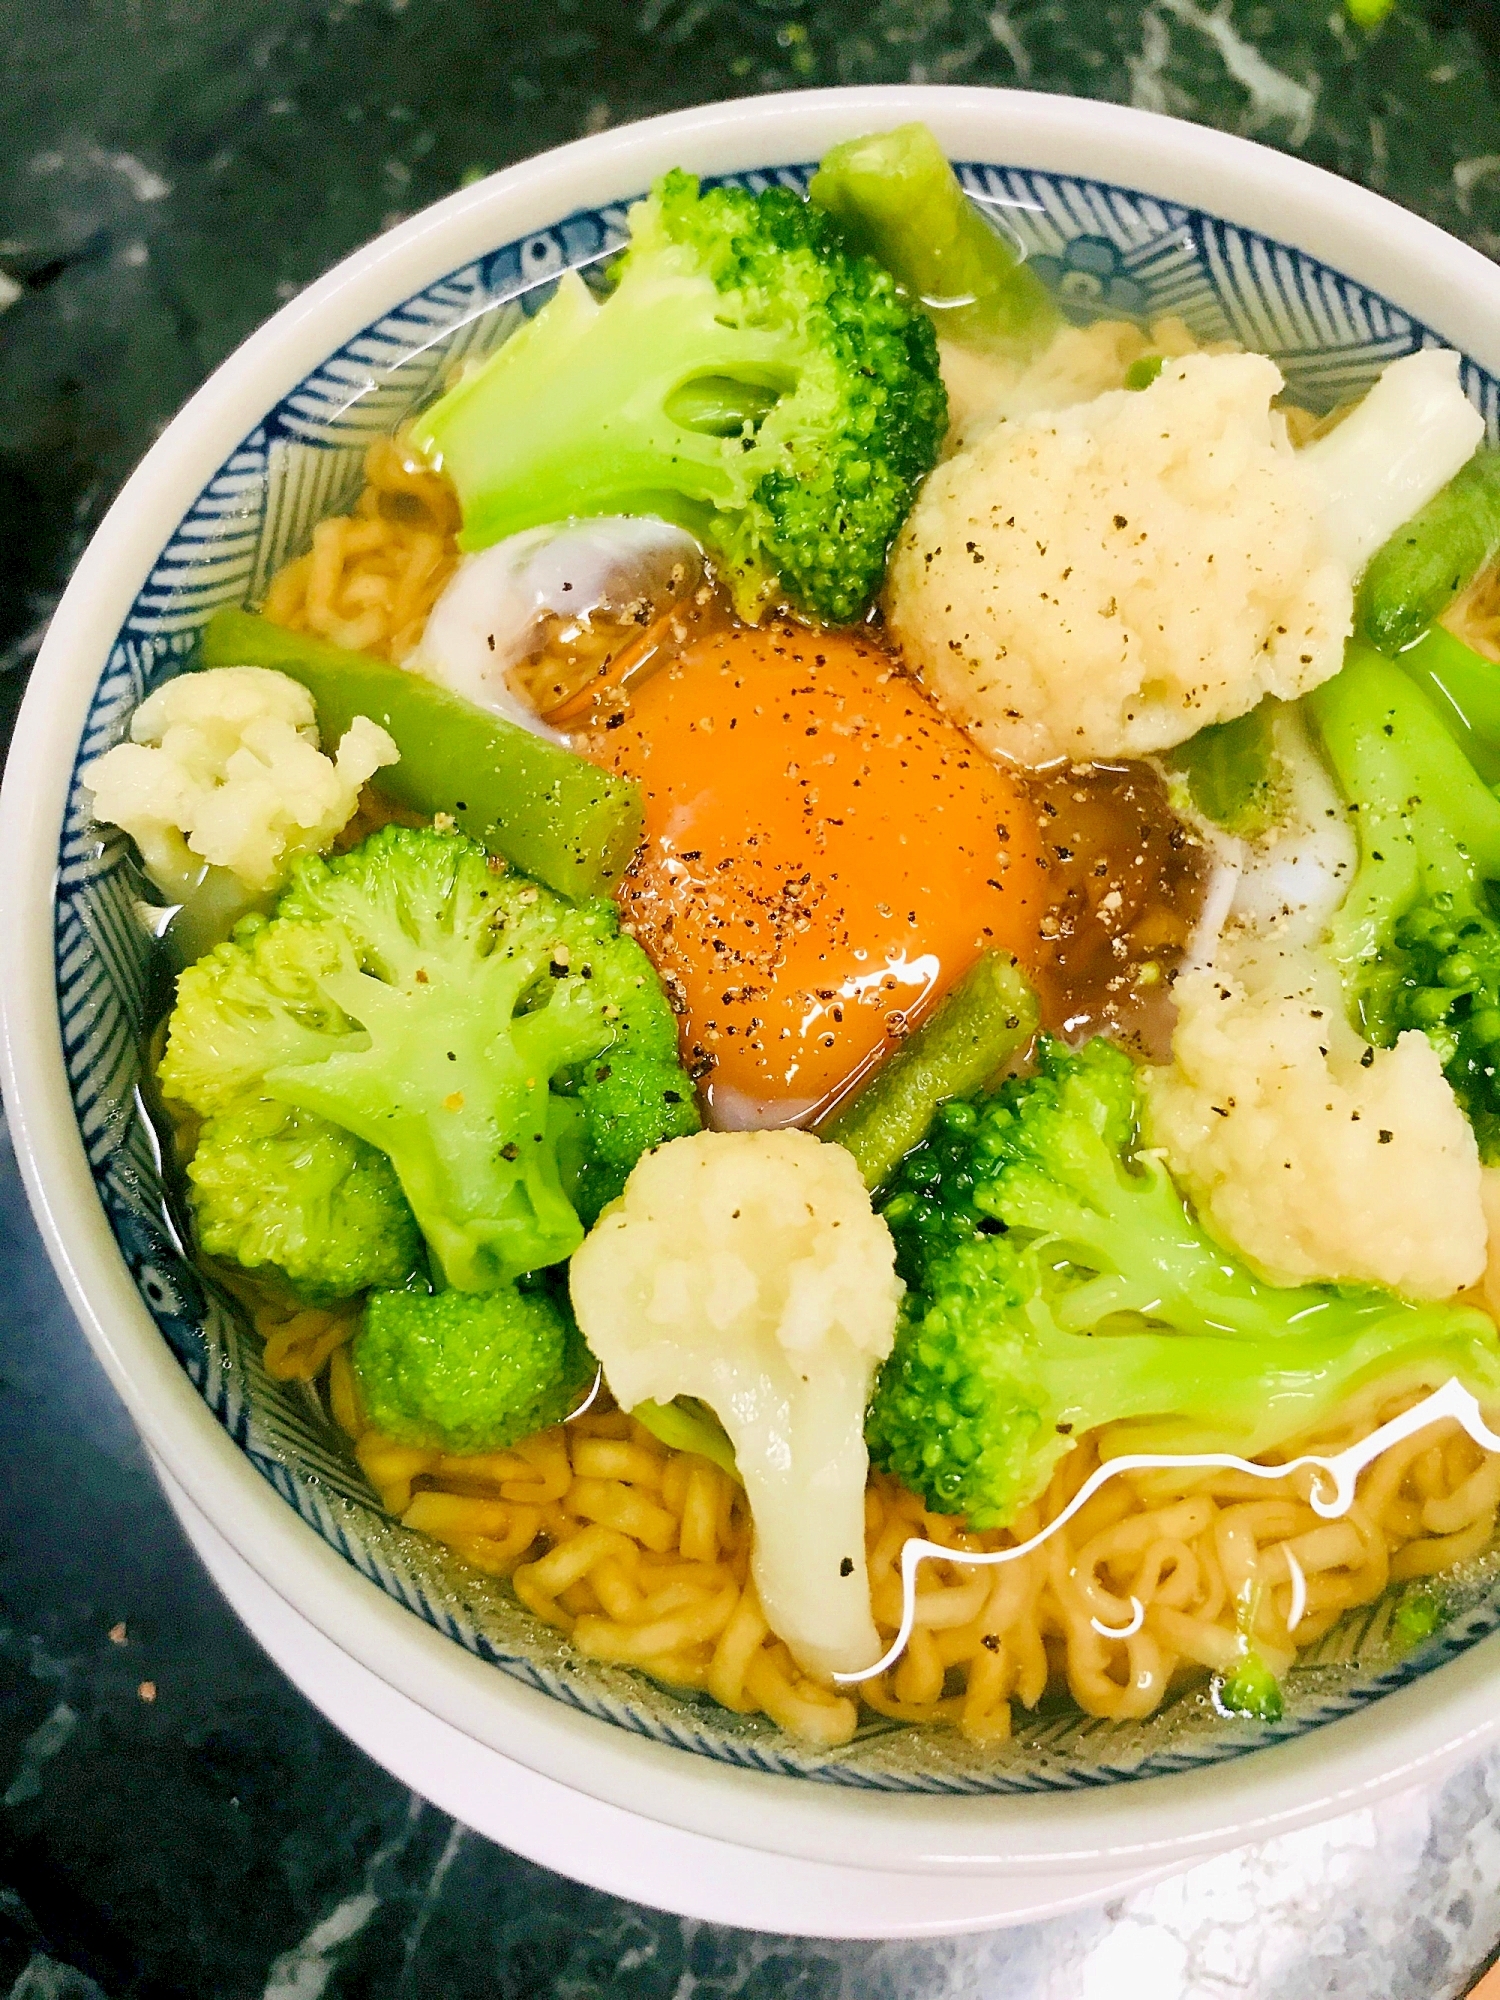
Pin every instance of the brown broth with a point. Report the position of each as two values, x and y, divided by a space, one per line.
1129 881
1127 878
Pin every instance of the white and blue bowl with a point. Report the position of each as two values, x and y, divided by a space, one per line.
1127 214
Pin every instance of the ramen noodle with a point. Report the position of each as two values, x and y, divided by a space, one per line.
372 576
641 1555
756 833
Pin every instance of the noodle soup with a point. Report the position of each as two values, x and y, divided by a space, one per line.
959 818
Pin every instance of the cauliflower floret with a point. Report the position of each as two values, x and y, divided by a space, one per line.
1313 1155
224 768
1077 364
1106 579
749 1270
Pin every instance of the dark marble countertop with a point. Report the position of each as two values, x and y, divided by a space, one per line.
175 1819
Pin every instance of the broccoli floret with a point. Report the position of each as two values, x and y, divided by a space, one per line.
749 378
631 1103
1059 1283
1053 1155
1417 940
467 1372
1252 1690
411 994
284 1190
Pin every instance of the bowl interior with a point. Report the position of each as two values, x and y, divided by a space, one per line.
1108 252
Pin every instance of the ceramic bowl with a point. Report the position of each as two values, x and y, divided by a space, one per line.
1127 213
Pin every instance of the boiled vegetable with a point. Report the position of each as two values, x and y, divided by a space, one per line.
1464 688
555 816
897 198
1417 574
988 1017
1233 772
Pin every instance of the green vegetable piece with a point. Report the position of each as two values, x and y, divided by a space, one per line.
284 1191
1413 579
685 1424
1053 1154
1102 1300
464 1373
209 914
1234 772
1464 689
748 377
1143 371
634 1098
1417 940
1369 14
456 1019
1418 1617
552 814
988 1017
1252 1690
896 196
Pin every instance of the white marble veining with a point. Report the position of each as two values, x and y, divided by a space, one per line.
1398 1902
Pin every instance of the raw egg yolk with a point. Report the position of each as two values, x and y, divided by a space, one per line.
824 854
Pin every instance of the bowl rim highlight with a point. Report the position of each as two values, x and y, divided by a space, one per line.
1448 1713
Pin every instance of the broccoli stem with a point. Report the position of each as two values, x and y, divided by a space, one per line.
685 1424
555 816
1413 579
897 198
1154 1259
747 377
453 1016
985 1391
497 433
1059 1283
1417 941
989 1016
1055 1156
1464 689
1188 1391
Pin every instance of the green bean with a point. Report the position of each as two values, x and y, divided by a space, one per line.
554 815
1464 688
898 199
1233 771
988 1017
1413 579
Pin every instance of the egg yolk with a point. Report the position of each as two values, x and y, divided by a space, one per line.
824 854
